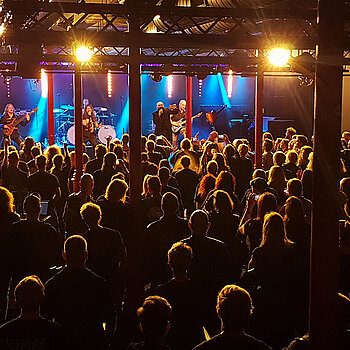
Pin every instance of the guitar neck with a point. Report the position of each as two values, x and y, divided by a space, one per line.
20 120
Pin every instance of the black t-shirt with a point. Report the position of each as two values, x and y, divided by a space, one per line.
43 183
106 251
37 334
80 301
228 342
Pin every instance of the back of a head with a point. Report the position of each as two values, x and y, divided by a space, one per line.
170 203
125 139
153 184
294 210
199 222
154 315
185 144
109 160
234 306
30 293
222 202
292 157
86 181
29 143
243 150
118 150
165 163
279 158
31 205
295 187
266 203
225 181
150 145
116 190
57 160
185 161
91 213
35 151
276 175
180 257
75 248
100 151
212 167
268 145
259 173
152 137
40 161
273 230
164 175
6 201
13 158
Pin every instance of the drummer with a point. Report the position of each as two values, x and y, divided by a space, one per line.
89 126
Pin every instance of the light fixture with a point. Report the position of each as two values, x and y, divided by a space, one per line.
83 53
44 84
2 29
156 17
229 83
109 84
169 80
279 57
200 84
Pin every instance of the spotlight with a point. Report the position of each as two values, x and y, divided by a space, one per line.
156 17
170 86
279 57
229 83
83 53
109 84
2 29
157 77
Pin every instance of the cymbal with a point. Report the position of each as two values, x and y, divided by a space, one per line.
101 109
67 107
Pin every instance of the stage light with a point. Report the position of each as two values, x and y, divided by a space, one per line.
229 83
83 53
8 87
109 84
170 86
156 17
44 84
279 57
200 84
2 29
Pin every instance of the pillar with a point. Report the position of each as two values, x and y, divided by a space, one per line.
326 165
259 117
78 122
50 107
189 107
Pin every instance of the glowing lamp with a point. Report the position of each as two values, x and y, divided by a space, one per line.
279 57
83 54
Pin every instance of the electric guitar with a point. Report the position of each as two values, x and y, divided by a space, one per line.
10 127
177 126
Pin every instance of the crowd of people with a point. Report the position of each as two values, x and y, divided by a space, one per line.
216 255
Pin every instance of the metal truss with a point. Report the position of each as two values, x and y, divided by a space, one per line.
167 35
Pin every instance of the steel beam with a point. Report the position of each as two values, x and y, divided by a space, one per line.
323 326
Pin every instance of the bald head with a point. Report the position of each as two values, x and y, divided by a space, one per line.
199 223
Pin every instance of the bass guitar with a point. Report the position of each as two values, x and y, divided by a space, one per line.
177 126
10 127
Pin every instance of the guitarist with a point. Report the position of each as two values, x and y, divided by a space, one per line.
176 121
7 119
89 126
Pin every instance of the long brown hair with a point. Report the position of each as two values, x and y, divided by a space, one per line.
206 185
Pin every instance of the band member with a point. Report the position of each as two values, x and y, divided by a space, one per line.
6 122
161 119
178 122
89 126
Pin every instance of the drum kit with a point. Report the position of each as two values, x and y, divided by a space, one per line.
65 129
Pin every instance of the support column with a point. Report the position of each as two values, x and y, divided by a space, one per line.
189 107
326 165
259 117
50 107
78 122
135 113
